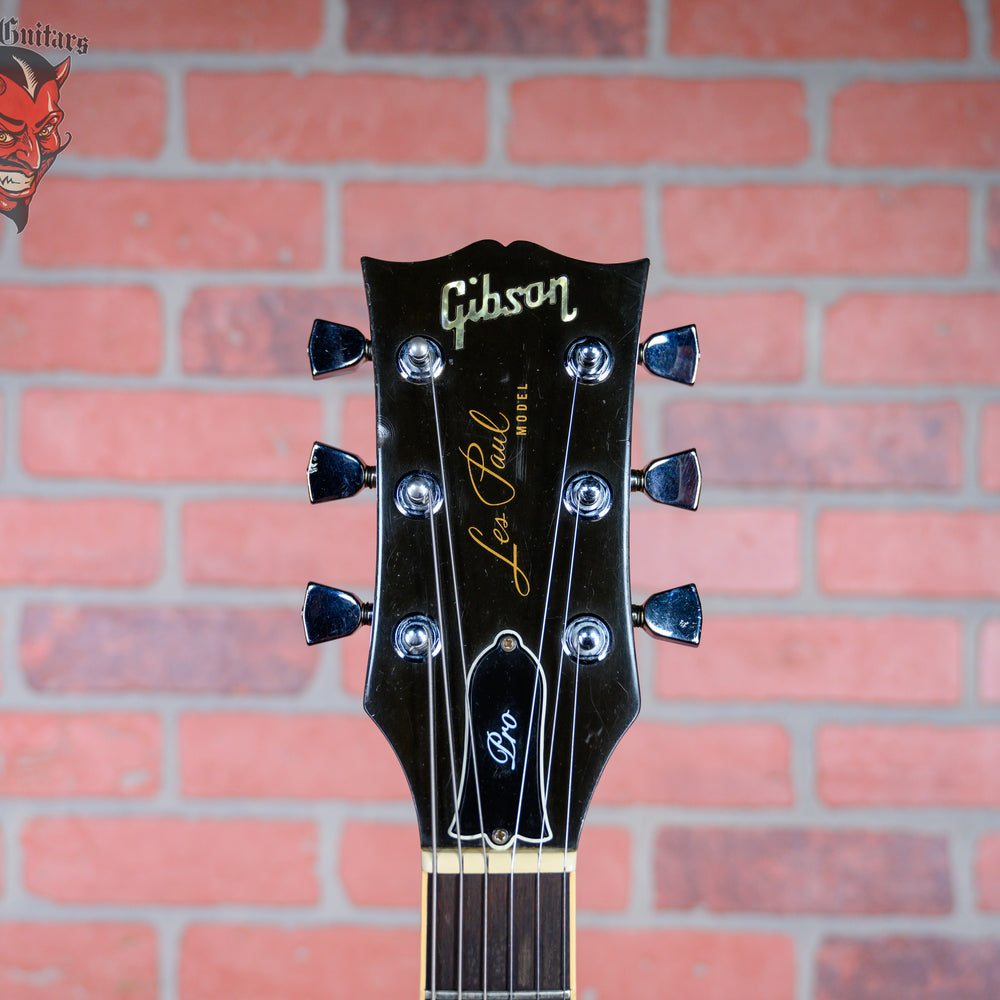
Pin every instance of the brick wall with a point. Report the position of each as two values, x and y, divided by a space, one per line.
192 805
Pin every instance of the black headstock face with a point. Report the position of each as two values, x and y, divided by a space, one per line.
502 666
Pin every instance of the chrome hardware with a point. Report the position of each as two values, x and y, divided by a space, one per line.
674 480
672 354
418 495
331 614
587 496
419 360
334 474
416 636
589 360
333 348
587 639
671 614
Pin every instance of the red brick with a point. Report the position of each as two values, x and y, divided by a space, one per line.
108 541
753 550
912 339
48 754
944 123
813 29
989 449
78 961
643 119
189 649
918 968
505 27
365 116
380 864
913 765
135 127
274 543
222 961
262 330
294 756
353 652
709 764
164 859
993 229
247 26
357 424
77 327
398 221
604 868
928 553
891 661
995 19
801 871
989 661
815 229
809 444
166 435
693 964
988 872
132 222
744 336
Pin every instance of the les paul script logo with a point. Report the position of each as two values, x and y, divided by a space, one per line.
455 313
494 490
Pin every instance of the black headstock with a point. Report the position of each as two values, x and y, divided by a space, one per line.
502 667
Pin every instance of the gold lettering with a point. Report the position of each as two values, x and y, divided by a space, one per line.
520 577
475 459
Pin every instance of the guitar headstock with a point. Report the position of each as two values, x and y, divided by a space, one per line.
502 665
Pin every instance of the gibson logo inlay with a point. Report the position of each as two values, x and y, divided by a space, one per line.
455 313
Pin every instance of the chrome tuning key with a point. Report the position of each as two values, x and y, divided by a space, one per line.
671 614
335 475
334 348
672 354
674 480
331 614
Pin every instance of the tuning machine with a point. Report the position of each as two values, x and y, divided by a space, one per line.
673 480
671 614
335 475
334 348
328 613
672 354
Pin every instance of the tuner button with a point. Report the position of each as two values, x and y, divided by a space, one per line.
334 348
331 614
671 614
672 354
335 474
674 480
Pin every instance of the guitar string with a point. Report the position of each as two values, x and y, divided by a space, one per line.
432 747
534 693
465 746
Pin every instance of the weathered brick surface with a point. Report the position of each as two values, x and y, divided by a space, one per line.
989 449
776 29
165 859
913 339
920 552
74 327
110 541
801 871
135 130
927 968
261 330
371 117
580 119
272 962
128 222
563 28
167 435
78 961
255 25
67 755
295 756
767 657
712 764
988 872
76 648
989 661
770 229
993 229
821 445
911 764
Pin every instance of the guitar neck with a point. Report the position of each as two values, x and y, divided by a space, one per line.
499 933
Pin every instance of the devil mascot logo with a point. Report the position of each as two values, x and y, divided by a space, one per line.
29 126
